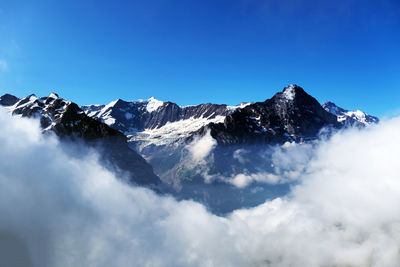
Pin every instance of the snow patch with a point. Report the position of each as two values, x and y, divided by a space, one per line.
109 121
289 93
111 104
241 105
153 104
32 98
53 95
171 132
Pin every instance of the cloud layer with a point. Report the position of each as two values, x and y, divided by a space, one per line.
62 211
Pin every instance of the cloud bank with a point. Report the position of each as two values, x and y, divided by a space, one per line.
62 211
288 163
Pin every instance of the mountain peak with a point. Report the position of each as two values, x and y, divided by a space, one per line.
291 92
32 97
7 95
329 103
54 96
114 103
333 108
153 104
8 100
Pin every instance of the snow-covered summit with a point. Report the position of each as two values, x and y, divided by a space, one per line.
290 92
153 104
350 118
53 95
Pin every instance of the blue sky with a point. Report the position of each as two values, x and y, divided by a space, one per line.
192 52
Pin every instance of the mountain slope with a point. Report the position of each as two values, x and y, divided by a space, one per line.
69 122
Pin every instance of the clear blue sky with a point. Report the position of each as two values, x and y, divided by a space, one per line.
191 52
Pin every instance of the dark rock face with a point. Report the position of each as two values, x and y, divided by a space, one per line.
8 100
69 122
290 115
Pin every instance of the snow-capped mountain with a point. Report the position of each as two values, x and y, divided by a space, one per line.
197 150
154 122
68 121
290 115
157 128
350 118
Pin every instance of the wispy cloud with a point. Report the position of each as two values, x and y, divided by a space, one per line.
3 65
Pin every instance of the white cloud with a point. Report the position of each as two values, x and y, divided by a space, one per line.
288 164
343 213
82 216
62 211
242 180
3 65
201 147
240 155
